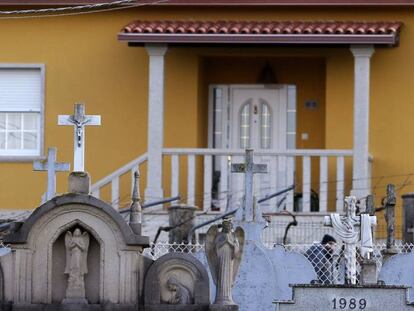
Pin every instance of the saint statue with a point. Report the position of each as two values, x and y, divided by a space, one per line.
76 265
224 250
180 295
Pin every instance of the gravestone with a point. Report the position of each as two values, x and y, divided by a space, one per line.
346 297
75 252
177 281
399 270
265 274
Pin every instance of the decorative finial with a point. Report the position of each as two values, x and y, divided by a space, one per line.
135 216
136 197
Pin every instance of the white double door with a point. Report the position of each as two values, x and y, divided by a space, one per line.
257 119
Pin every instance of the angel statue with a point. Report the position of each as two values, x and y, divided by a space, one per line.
76 265
224 251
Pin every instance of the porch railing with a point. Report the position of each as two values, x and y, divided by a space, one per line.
197 168
113 179
283 162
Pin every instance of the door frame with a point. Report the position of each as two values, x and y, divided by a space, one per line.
289 119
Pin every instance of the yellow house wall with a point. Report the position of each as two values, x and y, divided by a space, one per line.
84 61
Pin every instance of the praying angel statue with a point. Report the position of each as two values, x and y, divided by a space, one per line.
224 251
77 245
353 230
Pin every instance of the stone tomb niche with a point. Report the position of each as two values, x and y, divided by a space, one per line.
177 282
37 274
60 279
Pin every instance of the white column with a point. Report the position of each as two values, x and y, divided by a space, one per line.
361 182
156 54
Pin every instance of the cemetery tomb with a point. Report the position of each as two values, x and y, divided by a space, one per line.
346 297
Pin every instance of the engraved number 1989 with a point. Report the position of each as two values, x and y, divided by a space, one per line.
349 304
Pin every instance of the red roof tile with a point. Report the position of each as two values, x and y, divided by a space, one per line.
346 32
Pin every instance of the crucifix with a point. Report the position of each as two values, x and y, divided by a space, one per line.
79 120
249 169
51 166
345 228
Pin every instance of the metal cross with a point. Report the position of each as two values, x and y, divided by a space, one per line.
79 120
249 169
51 166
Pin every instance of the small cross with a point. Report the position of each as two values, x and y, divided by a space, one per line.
79 120
51 166
249 169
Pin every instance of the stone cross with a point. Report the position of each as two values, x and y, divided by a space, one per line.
389 203
79 120
345 227
249 169
51 166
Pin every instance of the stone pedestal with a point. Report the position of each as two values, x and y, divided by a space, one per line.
181 218
79 182
75 301
369 273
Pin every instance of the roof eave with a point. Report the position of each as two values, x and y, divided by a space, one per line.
268 39
219 2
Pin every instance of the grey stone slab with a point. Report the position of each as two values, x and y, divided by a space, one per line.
399 270
343 297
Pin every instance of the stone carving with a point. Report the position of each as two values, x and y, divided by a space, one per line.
346 229
224 251
177 281
180 295
77 245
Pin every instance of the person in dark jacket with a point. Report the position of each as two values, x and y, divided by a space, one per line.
320 256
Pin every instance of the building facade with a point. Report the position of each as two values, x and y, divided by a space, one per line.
320 90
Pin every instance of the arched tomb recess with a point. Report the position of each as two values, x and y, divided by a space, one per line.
115 262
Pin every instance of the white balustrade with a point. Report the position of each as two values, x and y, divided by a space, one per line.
283 164
217 185
114 180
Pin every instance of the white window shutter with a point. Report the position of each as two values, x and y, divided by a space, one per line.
20 89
